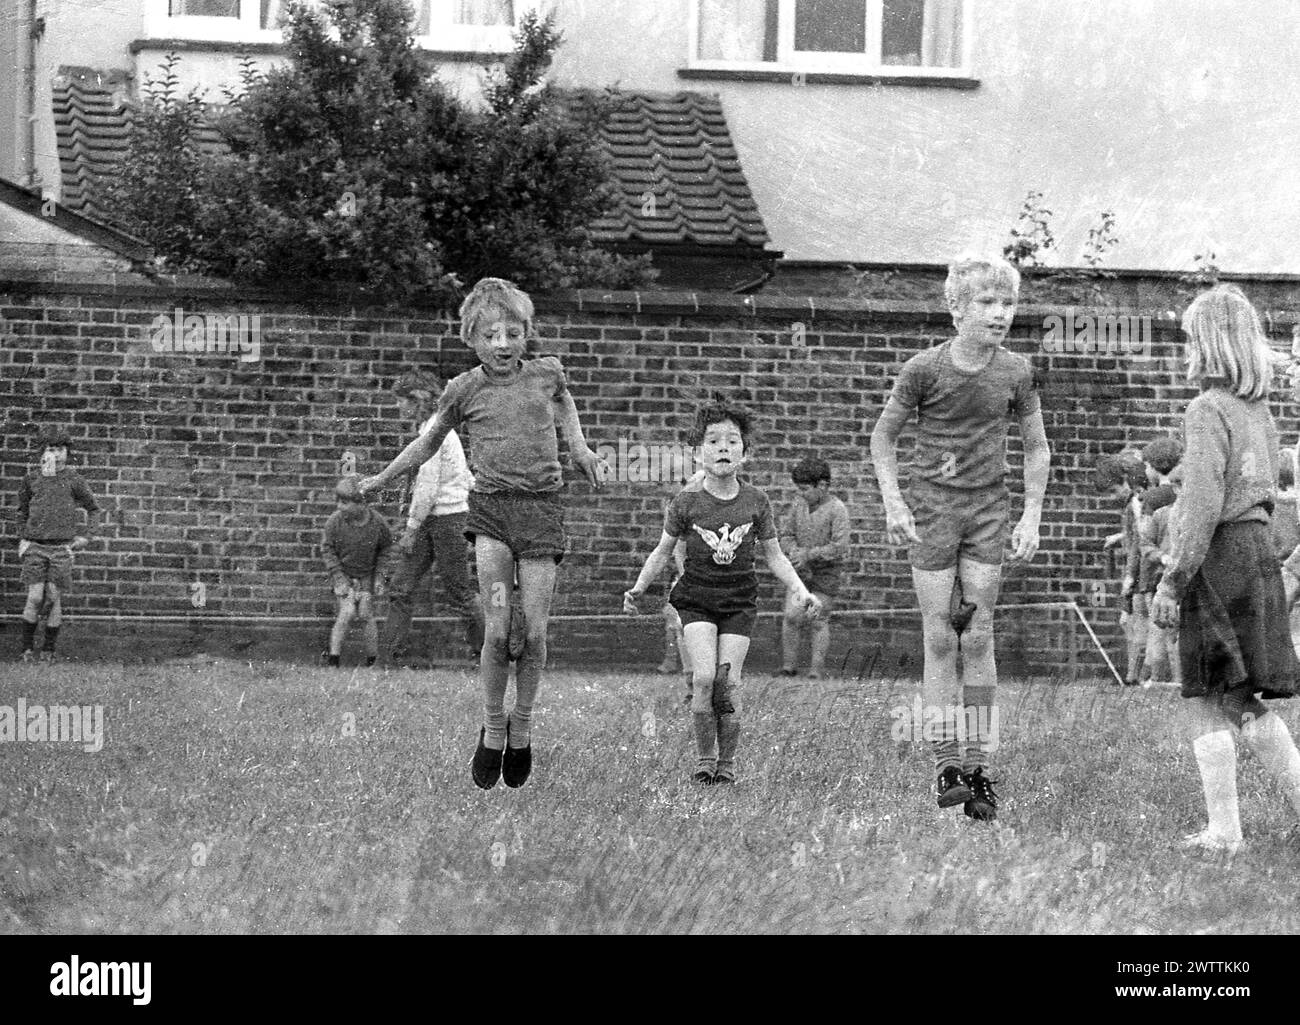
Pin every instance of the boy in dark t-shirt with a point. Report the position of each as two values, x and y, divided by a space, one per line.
717 596
964 392
510 408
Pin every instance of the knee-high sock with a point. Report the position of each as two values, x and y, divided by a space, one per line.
1216 756
981 726
528 679
1271 742
706 740
494 675
728 741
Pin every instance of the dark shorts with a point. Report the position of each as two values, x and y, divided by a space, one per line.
1234 631
47 563
955 524
729 612
530 525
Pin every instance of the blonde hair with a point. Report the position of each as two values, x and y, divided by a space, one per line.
1226 342
965 271
494 294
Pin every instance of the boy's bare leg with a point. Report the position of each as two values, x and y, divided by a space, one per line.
702 656
32 614
732 649
792 625
1138 642
344 609
369 628
821 639
496 577
980 583
939 676
536 590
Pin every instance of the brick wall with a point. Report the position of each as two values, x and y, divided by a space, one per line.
220 472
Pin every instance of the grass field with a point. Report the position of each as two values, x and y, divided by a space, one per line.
272 798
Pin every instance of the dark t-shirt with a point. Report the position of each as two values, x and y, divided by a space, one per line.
962 417
721 537
510 425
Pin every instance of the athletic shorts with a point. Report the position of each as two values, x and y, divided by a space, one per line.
729 612
956 524
530 524
44 563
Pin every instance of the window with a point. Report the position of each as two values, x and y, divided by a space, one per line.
204 8
478 26
218 21
922 37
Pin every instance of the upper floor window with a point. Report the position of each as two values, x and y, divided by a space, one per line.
481 26
857 36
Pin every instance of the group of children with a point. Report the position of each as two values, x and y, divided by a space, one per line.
1205 596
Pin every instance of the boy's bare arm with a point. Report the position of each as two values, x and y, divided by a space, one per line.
654 565
416 454
884 439
1038 462
571 427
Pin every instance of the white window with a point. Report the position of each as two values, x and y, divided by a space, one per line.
473 26
216 21
911 37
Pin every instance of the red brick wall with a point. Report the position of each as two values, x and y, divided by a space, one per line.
221 472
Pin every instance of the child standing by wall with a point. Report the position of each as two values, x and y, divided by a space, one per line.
723 524
49 532
1161 658
355 548
1223 587
1123 477
815 536
957 516
435 527
512 407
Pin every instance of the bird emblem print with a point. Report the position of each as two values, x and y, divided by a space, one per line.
725 542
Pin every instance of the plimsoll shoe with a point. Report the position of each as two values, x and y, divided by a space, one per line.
516 763
983 803
27 656
47 655
703 777
1205 840
952 788
486 767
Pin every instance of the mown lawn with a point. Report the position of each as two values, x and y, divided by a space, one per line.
273 798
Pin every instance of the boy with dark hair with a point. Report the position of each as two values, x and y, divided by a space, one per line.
815 536
355 549
724 523
49 532
1162 666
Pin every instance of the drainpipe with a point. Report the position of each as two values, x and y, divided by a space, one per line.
29 83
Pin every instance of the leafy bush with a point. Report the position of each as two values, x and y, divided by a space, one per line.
354 164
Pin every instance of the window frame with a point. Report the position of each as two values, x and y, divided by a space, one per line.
816 62
448 38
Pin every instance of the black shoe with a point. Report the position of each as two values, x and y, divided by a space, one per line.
370 661
517 763
789 672
486 768
703 776
952 788
983 803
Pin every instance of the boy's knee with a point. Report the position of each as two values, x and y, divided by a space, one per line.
941 642
977 641
535 644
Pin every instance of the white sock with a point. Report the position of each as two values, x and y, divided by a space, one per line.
1271 742
1216 756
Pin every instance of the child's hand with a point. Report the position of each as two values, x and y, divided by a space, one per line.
342 589
630 600
812 606
1164 611
1166 559
900 527
22 547
595 468
1112 541
79 542
1024 539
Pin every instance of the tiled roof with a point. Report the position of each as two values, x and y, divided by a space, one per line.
672 154
679 174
